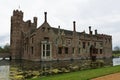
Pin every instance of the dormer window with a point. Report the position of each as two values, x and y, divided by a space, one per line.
48 29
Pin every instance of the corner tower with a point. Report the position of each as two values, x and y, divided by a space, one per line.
16 34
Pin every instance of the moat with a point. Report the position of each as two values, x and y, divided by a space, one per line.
21 69
11 70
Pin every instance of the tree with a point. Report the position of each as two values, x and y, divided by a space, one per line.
116 50
7 48
1 49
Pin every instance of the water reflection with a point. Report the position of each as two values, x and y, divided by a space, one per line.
28 69
22 69
4 70
29 65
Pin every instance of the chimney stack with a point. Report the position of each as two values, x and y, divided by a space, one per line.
74 26
90 32
45 13
58 27
96 32
89 29
59 30
35 21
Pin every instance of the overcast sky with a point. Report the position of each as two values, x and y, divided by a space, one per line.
103 15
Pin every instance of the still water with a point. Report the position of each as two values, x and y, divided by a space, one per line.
4 70
22 70
9 70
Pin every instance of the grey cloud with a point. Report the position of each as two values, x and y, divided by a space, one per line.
97 8
103 15
3 38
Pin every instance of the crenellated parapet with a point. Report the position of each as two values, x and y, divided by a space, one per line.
17 15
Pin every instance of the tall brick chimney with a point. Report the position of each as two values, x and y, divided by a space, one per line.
58 30
89 29
90 32
45 16
96 32
35 21
74 26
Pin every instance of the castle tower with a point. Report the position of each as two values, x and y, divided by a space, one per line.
16 34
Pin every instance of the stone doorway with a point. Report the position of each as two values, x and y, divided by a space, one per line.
93 53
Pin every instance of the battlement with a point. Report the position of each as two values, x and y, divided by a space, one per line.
18 17
17 13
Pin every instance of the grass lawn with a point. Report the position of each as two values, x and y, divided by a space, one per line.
82 75
116 55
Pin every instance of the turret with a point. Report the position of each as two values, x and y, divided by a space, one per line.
16 34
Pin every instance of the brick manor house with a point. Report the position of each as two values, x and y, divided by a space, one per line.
47 43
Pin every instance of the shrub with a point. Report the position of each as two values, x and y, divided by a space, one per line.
85 66
74 68
100 63
18 77
97 64
36 73
65 70
55 71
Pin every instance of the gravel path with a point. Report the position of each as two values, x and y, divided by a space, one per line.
115 76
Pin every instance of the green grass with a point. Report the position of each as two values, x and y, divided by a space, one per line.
116 55
82 75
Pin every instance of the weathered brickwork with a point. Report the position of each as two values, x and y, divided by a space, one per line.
47 43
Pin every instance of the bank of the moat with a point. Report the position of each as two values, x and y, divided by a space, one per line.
21 69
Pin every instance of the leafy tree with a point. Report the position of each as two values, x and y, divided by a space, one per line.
7 48
116 50
1 49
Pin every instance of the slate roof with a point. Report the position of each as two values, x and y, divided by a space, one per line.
70 33
67 32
